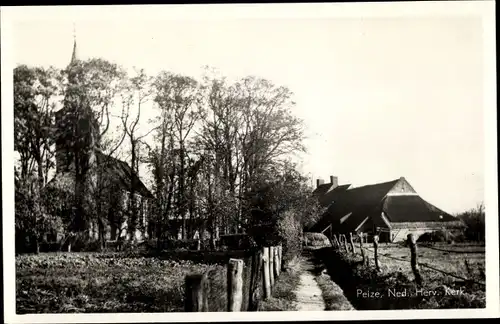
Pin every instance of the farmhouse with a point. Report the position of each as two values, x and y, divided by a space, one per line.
391 210
325 192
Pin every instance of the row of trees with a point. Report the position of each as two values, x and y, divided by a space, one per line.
213 150
474 220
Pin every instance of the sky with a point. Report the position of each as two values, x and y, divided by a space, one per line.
381 97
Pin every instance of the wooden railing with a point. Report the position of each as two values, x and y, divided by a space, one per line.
265 269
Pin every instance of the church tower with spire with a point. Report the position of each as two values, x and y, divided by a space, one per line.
74 56
77 149
77 127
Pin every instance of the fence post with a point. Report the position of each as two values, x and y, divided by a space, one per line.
346 247
414 262
255 291
271 266
280 256
206 292
265 268
361 246
468 268
276 262
194 286
234 285
375 252
351 242
336 241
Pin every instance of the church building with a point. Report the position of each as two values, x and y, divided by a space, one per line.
102 182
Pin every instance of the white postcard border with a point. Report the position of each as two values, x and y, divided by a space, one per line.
485 9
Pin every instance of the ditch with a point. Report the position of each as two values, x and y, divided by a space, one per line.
368 290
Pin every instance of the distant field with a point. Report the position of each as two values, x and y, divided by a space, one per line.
108 282
453 276
450 258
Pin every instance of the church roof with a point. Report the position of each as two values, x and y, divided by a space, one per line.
123 174
119 172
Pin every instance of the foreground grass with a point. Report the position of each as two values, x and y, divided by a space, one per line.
102 283
283 295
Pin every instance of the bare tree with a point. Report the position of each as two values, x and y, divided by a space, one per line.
179 99
35 97
137 94
218 139
249 128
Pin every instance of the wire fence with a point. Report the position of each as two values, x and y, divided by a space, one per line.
425 265
449 251
342 244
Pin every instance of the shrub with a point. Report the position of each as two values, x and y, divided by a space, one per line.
237 241
474 220
291 232
436 236
316 239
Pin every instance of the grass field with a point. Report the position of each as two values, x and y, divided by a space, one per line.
108 282
463 260
460 286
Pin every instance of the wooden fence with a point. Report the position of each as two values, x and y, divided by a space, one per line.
263 270
341 244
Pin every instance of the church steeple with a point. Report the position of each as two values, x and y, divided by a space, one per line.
74 56
76 123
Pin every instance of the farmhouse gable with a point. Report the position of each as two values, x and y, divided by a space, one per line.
391 207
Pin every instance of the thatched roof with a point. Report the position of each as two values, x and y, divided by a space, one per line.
413 209
373 200
326 194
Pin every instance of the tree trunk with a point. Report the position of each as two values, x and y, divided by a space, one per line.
182 193
102 235
132 224
39 163
37 245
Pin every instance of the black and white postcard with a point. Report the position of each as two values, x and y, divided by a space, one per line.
251 162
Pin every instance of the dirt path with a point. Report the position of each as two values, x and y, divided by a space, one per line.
309 296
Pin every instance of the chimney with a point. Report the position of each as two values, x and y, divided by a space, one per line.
319 182
334 181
